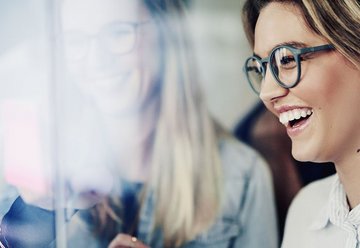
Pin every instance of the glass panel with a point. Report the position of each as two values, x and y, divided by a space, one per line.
92 92
70 122
101 136
26 116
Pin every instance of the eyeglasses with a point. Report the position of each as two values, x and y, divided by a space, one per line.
116 38
285 65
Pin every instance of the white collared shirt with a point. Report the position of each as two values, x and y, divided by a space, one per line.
319 217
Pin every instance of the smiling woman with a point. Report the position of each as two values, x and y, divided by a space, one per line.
311 49
105 54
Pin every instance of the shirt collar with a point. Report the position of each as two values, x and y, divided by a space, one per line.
336 210
321 221
324 215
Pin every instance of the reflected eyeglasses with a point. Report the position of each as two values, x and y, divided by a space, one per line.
285 65
118 38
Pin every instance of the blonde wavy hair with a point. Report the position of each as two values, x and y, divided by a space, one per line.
183 149
338 22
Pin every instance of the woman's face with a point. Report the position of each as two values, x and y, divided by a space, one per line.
328 92
107 51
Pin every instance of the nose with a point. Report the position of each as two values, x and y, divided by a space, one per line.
270 89
97 57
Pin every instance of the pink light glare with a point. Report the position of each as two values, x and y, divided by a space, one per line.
23 151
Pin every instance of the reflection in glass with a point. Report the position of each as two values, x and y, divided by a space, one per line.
135 151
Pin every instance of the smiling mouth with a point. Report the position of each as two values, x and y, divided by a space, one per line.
295 117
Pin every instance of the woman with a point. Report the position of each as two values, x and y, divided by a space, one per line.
306 69
180 180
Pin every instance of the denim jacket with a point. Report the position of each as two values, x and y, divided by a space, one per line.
247 218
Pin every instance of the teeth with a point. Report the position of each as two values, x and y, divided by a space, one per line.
304 113
294 114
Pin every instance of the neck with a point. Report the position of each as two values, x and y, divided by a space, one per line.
349 174
127 138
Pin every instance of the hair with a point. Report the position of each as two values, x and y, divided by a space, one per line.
183 150
186 173
338 22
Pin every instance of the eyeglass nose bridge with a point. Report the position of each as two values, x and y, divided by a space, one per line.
264 64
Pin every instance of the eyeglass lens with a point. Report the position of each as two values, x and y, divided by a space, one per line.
283 66
254 73
117 38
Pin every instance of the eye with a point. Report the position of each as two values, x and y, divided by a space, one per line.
118 37
118 30
288 62
253 66
254 69
285 59
75 44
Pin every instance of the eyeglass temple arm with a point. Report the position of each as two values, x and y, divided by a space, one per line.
316 48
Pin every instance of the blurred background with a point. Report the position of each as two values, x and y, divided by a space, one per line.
222 48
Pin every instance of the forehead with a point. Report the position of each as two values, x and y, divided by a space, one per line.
91 15
280 23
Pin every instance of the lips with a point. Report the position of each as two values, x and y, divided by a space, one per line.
294 118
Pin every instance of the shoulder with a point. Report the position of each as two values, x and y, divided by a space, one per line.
239 161
306 210
248 196
246 177
313 196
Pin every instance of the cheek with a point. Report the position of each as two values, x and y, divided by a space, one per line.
332 88
340 85
322 83
149 53
270 107
147 59
89 68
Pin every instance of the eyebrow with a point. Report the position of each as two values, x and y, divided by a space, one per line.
287 43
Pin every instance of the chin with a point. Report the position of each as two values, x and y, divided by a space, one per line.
307 154
303 153
116 107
